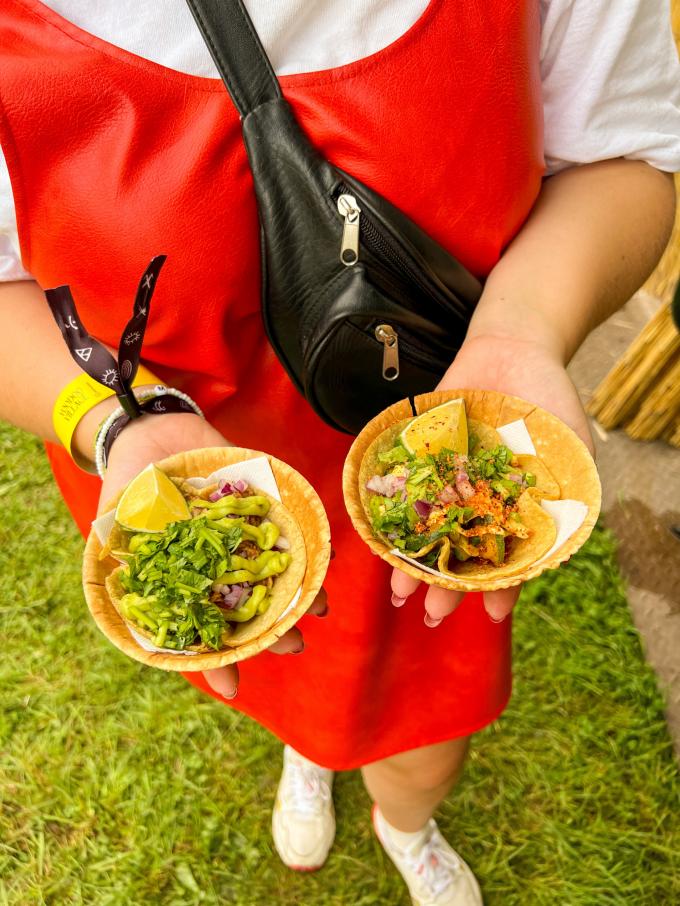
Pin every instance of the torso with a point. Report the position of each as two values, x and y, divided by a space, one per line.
115 159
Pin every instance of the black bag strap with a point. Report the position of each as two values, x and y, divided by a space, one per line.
237 51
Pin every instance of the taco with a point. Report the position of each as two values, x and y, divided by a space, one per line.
218 576
468 512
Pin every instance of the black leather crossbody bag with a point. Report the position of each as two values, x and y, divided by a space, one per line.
360 305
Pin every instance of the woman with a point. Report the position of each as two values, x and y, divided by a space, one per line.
120 143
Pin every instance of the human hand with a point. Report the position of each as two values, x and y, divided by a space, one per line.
151 438
518 367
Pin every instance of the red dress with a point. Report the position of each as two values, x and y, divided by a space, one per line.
114 159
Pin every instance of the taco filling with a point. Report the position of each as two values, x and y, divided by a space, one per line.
190 585
473 512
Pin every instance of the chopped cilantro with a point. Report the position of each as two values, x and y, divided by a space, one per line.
430 559
490 464
175 571
396 454
419 475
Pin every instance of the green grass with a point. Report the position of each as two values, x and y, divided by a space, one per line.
122 785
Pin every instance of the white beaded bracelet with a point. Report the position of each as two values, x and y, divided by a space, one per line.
143 396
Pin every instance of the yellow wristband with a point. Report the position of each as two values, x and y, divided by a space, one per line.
82 394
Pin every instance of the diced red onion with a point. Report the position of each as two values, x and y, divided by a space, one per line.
449 495
423 508
226 487
245 594
393 536
234 597
515 477
463 485
282 544
386 485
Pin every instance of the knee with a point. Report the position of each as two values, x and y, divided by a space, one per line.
426 774
426 779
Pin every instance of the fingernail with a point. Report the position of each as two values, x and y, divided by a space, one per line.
298 650
432 622
221 684
398 601
494 620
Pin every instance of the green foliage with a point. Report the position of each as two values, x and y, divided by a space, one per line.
123 785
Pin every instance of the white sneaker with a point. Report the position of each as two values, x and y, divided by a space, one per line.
303 821
434 872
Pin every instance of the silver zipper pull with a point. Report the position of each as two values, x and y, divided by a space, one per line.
387 335
350 210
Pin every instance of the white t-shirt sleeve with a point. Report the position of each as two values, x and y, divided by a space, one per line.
10 258
611 82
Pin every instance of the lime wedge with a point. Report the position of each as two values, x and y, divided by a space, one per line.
444 426
151 502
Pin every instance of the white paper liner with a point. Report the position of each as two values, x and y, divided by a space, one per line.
515 435
258 473
568 515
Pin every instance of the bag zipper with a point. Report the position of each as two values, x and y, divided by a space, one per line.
349 248
392 344
358 224
387 335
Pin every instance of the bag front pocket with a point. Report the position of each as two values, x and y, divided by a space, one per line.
364 357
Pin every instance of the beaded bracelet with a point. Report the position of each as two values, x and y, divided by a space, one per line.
157 402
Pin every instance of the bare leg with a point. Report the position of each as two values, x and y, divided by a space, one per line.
408 787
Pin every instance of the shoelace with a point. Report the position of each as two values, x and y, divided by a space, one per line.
434 863
309 792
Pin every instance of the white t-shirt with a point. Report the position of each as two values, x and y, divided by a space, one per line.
609 68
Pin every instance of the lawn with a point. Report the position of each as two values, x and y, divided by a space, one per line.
122 785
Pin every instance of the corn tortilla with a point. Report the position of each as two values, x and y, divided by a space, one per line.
546 484
523 551
487 437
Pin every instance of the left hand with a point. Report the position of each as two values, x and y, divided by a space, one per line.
517 367
152 438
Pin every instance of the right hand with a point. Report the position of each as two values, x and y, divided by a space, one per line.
524 368
151 438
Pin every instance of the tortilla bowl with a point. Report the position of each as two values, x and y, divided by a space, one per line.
302 519
567 466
